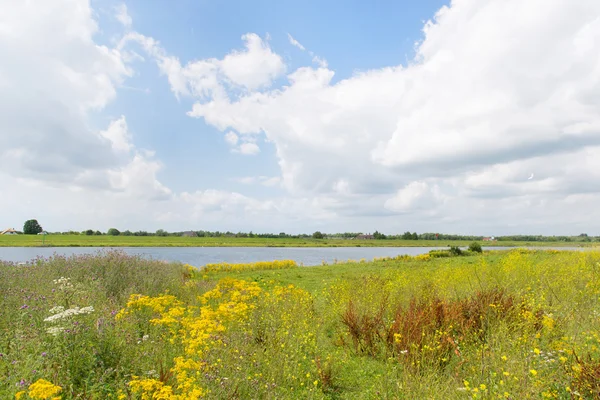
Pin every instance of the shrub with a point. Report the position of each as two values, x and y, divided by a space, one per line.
113 232
475 247
455 251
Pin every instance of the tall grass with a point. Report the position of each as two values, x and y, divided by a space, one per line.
518 324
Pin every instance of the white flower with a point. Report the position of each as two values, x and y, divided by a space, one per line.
69 313
55 330
57 309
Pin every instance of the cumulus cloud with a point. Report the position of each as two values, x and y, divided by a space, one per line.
487 95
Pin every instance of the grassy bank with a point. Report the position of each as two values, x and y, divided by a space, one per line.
175 241
516 324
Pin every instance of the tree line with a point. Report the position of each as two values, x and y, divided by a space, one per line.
32 227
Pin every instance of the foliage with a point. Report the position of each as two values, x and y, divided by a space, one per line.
475 247
513 324
455 251
261 265
113 232
317 235
89 232
32 227
378 235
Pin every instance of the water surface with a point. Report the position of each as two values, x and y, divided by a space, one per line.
198 256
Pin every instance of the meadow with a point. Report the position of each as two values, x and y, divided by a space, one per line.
509 324
177 241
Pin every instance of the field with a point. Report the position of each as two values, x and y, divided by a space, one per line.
512 324
175 241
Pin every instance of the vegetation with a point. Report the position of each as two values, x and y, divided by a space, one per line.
516 324
113 232
32 227
126 239
317 235
475 247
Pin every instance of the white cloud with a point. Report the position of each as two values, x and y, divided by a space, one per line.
255 67
231 138
118 135
415 195
248 148
295 43
268 181
122 15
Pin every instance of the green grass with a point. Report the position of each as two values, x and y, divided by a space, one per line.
509 324
174 241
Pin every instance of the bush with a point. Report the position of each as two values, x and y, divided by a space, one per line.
475 247
317 235
455 251
113 232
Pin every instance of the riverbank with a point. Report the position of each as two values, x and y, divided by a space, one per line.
176 241
513 324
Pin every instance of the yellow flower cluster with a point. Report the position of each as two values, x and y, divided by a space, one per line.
195 328
261 265
41 390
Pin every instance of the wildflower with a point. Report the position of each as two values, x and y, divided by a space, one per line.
69 313
42 389
533 372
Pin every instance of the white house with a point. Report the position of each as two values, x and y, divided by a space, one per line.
9 231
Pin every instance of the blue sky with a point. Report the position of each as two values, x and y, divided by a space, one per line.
470 116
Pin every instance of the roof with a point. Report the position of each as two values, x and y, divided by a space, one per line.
9 230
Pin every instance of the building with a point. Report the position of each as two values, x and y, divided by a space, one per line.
9 231
189 234
489 239
365 237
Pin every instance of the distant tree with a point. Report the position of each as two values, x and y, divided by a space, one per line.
407 236
32 227
98 233
127 233
161 232
113 232
415 236
378 235
317 235
475 247
89 232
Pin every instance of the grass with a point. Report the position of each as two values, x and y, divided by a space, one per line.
175 241
508 324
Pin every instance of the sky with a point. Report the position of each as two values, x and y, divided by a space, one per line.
464 116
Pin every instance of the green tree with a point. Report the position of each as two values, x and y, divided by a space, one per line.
317 235
407 236
89 232
98 233
378 235
161 232
475 247
113 232
32 227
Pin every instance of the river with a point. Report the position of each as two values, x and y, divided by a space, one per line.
198 256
